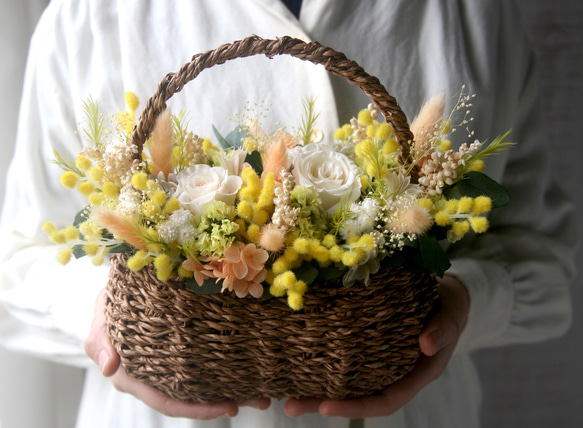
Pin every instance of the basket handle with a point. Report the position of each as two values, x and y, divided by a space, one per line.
335 62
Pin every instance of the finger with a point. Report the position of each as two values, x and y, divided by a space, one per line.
169 406
296 407
257 403
440 332
446 326
97 344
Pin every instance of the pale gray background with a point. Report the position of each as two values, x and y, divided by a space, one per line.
535 386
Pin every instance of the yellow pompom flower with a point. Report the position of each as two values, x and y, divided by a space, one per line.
140 181
426 203
91 248
83 163
172 205
336 254
159 197
384 131
366 242
371 131
139 260
280 265
208 145
71 233
477 165
96 173
482 204
364 117
285 280
299 287
445 127
96 198
277 290
290 255
295 301
452 206
339 134
97 260
353 257
347 129
111 190
64 256
479 224
442 219
321 254
86 188
302 246
184 273
390 146
48 227
163 266
444 146
58 237
132 101
465 204
69 179
329 241
460 228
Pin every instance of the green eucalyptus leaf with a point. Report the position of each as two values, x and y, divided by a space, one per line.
78 251
234 139
433 255
477 184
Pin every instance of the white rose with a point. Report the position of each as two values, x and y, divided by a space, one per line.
200 184
333 175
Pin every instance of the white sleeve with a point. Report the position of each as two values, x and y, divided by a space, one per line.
45 308
519 272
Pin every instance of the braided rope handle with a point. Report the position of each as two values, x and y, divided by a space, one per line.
334 62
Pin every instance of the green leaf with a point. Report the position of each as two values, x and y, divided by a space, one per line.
209 286
330 273
477 184
254 159
433 255
81 217
233 139
307 274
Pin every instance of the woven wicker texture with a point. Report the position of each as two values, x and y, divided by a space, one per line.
346 342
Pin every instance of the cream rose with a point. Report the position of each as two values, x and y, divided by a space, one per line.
333 175
200 184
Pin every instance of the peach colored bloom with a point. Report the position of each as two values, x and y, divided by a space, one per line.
242 269
199 270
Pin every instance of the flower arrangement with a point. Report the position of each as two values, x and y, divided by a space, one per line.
272 213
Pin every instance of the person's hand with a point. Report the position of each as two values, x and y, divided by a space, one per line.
99 348
437 342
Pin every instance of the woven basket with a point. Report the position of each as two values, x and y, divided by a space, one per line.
346 342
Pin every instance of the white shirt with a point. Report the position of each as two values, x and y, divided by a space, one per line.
517 274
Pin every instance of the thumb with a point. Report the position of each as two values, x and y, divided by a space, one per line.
97 344
446 326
